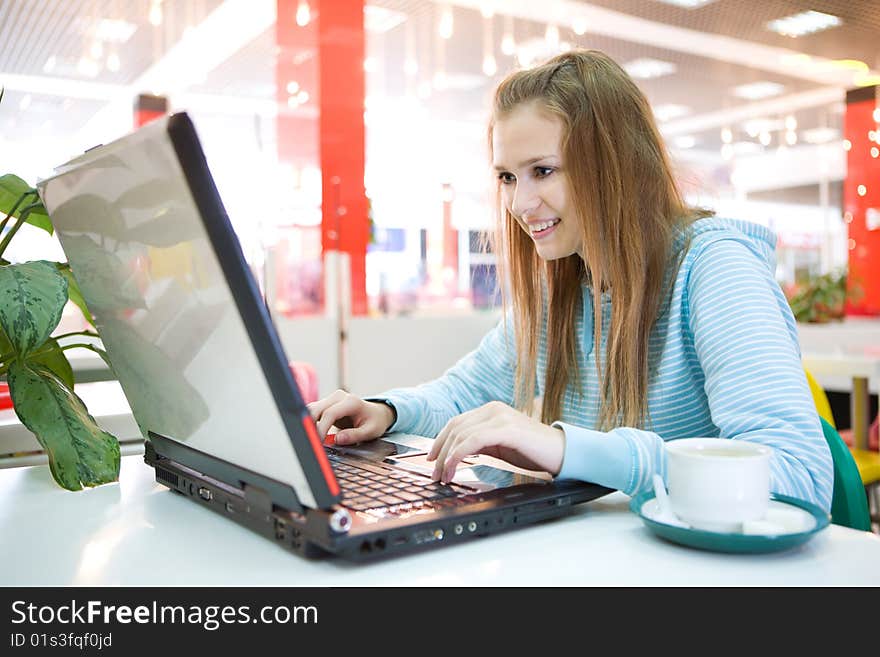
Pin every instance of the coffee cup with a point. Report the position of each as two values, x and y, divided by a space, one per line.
717 484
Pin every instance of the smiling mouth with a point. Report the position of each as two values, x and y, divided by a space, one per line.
544 228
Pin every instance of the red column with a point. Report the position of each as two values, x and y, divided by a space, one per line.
345 223
861 199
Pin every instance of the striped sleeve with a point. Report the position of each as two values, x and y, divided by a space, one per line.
744 339
745 343
485 374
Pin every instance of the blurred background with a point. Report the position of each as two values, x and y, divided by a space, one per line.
348 139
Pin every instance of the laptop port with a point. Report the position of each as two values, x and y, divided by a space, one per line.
206 494
428 535
472 526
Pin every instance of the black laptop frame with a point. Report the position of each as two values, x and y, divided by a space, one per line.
264 339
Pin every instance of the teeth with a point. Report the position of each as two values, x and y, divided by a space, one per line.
537 228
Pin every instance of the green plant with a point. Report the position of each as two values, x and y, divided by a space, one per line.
822 298
41 380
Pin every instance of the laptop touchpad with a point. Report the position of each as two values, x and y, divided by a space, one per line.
483 472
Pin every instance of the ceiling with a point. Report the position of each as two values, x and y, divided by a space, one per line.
221 55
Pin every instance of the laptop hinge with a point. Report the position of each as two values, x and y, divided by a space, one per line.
257 498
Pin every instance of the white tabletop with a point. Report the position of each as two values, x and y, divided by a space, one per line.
137 532
858 361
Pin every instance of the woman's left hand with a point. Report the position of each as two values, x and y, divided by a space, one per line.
497 430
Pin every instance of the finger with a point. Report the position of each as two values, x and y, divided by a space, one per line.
467 444
465 422
368 431
348 407
318 407
440 439
440 465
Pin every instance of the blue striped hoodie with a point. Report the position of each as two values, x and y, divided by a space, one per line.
724 361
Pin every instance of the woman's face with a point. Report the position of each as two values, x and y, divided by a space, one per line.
527 145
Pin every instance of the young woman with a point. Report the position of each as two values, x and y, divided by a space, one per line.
631 318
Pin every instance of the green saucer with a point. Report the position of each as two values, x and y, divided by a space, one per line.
739 543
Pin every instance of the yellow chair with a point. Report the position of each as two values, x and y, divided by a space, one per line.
867 461
820 399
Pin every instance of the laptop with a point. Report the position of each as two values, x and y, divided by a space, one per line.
203 369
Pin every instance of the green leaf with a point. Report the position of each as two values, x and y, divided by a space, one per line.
51 356
32 298
80 452
36 215
74 293
12 188
5 344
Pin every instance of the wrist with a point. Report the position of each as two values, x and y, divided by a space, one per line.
389 413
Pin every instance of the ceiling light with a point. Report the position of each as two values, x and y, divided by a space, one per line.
447 25
551 35
155 14
726 135
806 22
687 4
670 111
489 65
508 45
645 68
303 13
758 90
579 26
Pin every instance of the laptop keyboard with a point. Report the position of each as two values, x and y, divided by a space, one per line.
369 487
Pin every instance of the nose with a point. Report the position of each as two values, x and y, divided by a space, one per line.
525 199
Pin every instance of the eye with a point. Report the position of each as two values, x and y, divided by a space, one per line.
543 172
506 178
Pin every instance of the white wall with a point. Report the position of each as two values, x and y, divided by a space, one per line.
383 353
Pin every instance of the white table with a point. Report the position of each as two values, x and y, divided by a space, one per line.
859 363
137 532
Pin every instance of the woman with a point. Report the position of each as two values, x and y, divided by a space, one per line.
633 318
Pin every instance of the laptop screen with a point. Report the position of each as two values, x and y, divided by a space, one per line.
153 251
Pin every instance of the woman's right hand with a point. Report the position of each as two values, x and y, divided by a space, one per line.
356 419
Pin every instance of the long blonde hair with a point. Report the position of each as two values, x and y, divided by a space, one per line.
621 186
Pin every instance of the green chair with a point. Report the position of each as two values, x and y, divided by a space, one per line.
849 504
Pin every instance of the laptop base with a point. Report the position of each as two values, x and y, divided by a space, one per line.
309 534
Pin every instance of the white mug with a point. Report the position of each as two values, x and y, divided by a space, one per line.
717 484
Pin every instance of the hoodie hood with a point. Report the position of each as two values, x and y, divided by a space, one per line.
759 239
